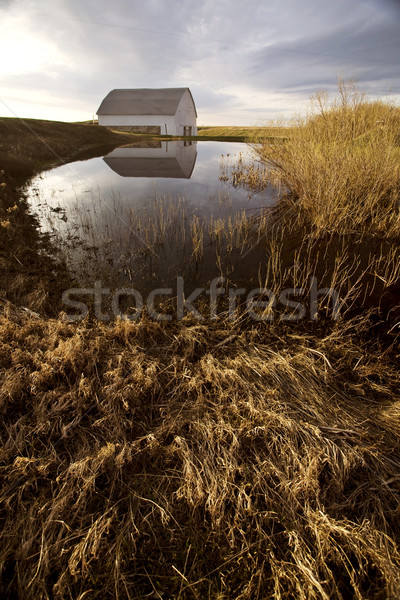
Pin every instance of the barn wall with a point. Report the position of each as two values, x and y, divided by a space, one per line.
186 114
140 121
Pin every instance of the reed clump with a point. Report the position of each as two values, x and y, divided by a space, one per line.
341 163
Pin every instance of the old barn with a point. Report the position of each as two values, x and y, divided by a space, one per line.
169 111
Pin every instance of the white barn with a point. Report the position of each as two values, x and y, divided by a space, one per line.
169 111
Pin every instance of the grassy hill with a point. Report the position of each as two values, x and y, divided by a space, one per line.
30 145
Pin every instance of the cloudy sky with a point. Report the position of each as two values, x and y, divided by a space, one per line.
245 61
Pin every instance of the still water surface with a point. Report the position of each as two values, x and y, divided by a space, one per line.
143 215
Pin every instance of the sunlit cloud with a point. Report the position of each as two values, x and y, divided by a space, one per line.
24 52
244 63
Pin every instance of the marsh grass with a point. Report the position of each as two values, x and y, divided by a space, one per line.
271 249
338 179
226 459
341 163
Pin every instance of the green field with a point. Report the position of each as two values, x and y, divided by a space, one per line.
241 134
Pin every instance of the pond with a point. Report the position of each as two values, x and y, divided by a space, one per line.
147 213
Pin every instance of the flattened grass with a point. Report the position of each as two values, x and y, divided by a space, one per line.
205 461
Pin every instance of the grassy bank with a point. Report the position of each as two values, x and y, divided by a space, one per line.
227 459
30 145
241 134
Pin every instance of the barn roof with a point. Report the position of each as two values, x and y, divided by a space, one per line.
141 164
149 167
163 101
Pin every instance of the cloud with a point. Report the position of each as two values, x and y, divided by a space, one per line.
241 61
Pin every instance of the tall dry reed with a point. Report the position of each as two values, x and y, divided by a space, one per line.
341 163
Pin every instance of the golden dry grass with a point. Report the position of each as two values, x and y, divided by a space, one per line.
197 461
341 164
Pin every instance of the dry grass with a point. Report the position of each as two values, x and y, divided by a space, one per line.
341 164
217 461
